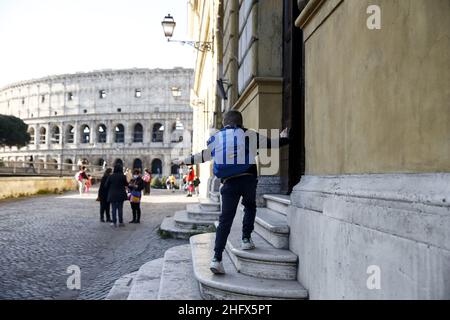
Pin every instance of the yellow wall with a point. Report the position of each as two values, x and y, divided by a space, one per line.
15 186
378 101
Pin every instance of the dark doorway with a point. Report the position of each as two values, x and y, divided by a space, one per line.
156 166
292 157
137 164
118 162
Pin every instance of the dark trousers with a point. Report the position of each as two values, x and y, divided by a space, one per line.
232 190
117 208
104 209
146 187
136 209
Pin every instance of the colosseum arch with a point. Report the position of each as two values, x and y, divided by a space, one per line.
52 164
102 133
176 134
70 134
85 134
137 164
175 169
138 133
158 132
119 133
55 135
156 166
42 135
32 134
118 162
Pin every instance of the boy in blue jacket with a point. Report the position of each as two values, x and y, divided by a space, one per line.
233 150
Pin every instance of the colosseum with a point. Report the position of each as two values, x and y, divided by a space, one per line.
138 117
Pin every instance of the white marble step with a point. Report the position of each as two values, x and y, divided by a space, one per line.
209 204
264 261
214 196
277 202
195 212
235 285
146 283
168 226
177 278
121 288
273 227
183 221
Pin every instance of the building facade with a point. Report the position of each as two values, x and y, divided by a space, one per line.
368 166
138 117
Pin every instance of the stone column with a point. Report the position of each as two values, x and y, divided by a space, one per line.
167 128
109 132
76 135
167 162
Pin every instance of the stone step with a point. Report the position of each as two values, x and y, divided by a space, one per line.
214 196
277 202
177 278
146 283
273 227
183 221
264 261
235 285
170 229
195 212
209 205
121 288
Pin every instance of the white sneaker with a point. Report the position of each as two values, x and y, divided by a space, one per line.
247 244
216 266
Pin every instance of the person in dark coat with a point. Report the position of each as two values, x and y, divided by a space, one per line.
135 187
116 184
103 197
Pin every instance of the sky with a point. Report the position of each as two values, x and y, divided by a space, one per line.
47 37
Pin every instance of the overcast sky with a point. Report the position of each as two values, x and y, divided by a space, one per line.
47 37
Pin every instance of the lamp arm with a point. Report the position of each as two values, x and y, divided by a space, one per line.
199 45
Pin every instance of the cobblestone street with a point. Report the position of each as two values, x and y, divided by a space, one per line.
40 237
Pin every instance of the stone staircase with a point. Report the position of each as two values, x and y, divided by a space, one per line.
196 219
267 272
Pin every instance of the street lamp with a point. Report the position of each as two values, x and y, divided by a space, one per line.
169 24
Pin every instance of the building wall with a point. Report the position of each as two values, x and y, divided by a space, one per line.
377 130
68 101
378 100
21 186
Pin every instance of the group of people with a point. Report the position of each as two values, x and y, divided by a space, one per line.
191 183
116 188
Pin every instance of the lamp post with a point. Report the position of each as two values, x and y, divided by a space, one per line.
169 24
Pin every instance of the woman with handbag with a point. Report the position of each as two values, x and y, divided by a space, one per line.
103 197
135 188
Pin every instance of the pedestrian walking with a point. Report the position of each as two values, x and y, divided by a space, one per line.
116 186
81 178
238 177
196 185
135 188
31 164
103 197
190 182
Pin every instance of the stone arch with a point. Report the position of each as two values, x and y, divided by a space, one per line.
175 169
137 164
118 161
70 134
42 135
177 130
55 135
85 134
157 132
119 133
52 164
156 167
102 133
32 134
138 133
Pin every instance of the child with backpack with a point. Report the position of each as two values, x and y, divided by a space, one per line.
234 152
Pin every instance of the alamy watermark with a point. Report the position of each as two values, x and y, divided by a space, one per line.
74 280
373 282
374 20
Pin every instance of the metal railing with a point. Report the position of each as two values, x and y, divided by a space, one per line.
41 168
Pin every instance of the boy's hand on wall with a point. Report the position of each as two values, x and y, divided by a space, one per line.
285 133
